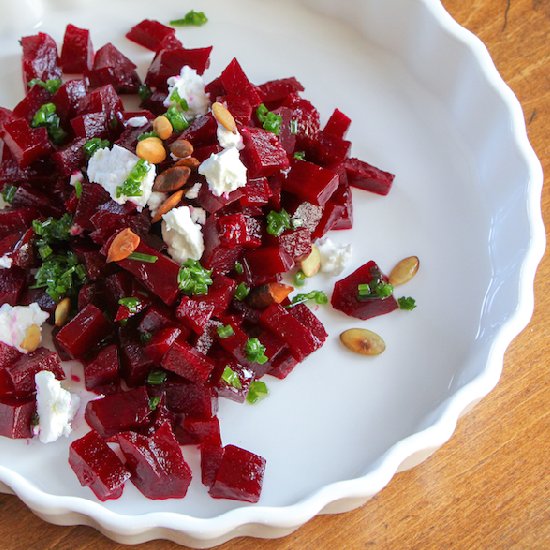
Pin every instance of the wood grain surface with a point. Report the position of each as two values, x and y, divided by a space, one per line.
489 487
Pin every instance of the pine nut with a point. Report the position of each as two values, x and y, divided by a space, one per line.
404 271
62 312
163 127
363 341
181 148
312 264
190 162
33 338
171 202
224 117
123 245
172 179
152 150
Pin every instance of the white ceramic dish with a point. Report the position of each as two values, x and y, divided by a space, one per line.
427 104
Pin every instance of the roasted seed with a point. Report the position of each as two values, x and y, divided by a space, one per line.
311 265
152 150
181 148
62 312
123 245
163 127
168 204
404 271
223 116
363 341
191 162
172 179
33 338
265 295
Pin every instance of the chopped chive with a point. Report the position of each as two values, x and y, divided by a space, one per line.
46 117
156 377
363 289
132 184
407 303
154 403
193 278
294 126
176 118
241 292
299 278
239 269
145 258
131 303
278 222
8 193
144 92
256 392
78 189
92 145
271 122
317 295
299 155
145 337
191 19
255 351
146 135
230 377
52 84
225 331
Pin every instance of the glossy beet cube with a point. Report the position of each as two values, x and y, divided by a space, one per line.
282 365
27 196
160 278
16 220
39 58
215 256
220 293
308 319
169 62
112 67
33 100
328 150
111 217
12 283
155 318
239 107
262 154
188 363
363 175
202 131
234 81
337 125
311 183
21 373
195 400
77 52
346 298
264 264
119 412
102 100
16 416
97 466
150 34
297 337
68 97
276 91
91 125
161 342
297 243
194 313
194 431
212 204
157 465
256 192
25 143
69 159
341 201
307 119
136 363
8 355
239 476
237 230
230 391
103 369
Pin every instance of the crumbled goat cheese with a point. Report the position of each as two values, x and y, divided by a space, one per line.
137 121
190 86
5 262
334 257
182 235
14 322
111 167
224 172
55 407
198 215
228 139
155 200
77 176
193 192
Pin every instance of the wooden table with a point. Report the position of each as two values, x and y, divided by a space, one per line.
489 487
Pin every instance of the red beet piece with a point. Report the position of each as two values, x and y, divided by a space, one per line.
328 150
39 58
282 365
212 204
68 96
311 183
287 137
25 143
342 197
15 220
262 154
239 476
297 243
150 34
194 400
188 363
161 343
365 176
157 465
234 81
21 373
27 196
97 466
337 125
112 67
84 331
69 159
298 338
345 296
245 375
16 416
27 107
194 313
238 230
308 319
220 293
256 192
194 431
307 117
239 107
77 52
279 90
12 282
202 131
91 125
112 217
103 369
264 264
8 355
211 457
136 364
156 317
169 62
119 412
102 100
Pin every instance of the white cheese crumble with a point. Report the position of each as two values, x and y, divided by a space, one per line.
14 322
76 176
190 86
137 121
224 172
155 200
111 167
334 257
228 139
193 192
182 235
5 261
198 215
55 407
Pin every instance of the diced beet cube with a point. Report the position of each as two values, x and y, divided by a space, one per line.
237 230
155 103
112 67
188 363
194 431
245 375
195 400
21 373
342 197
328 150
211 457
365 176
234 81
157 465
297 243
282 365
194 313
12 282
117 286
307 117
169 42
77 52
119 412
16 220
240 475
337 125
97 466
84 331
262 153
27 196
39 58
103 100
264 264
308 319
215 256
212 204
103 369
16 416
311 183
25 143
169 62
111 217
346 298
8 355
239 107
91 125
220 293
68 96
256 192
150 34
69 159
279 90
287 137
161 342
92 260
299 338
310 214
136 364
27 107
160 278
202 131
332 213
155 318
